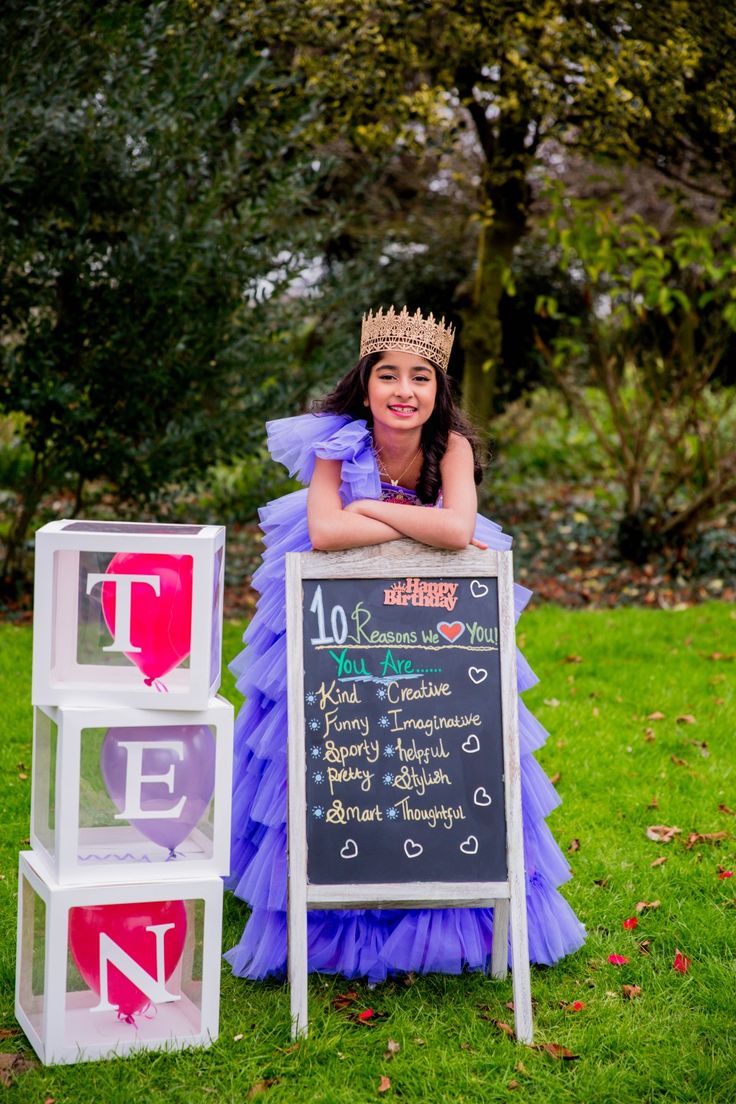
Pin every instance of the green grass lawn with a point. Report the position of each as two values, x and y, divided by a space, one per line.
602 674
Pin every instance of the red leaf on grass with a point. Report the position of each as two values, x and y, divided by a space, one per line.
631 991
725 874
366 1014
384 1083
618 960
630 923
573 1006
682 964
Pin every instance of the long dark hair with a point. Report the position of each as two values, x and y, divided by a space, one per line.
446 418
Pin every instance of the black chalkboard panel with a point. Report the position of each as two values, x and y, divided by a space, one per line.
403 727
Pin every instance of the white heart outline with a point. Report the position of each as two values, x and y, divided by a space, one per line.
478 589
478 674
350 853
410 843
451 625
473 742
470 846
481 794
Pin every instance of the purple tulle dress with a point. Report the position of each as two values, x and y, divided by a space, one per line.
370 943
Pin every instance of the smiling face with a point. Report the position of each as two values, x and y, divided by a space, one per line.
402 389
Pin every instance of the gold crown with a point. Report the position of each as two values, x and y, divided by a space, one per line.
411 333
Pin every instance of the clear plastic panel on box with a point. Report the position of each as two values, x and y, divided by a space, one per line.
216 617
135 967
146 794
44 780
32 959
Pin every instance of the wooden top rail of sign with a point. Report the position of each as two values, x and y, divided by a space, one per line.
404 773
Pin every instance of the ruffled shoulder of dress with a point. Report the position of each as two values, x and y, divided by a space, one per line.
297 442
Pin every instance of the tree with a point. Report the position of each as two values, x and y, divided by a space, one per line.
660 320
146 185
428 104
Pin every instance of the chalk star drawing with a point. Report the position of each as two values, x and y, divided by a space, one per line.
389 750
318 812
384 722
311 698
318 776
388 779
391 814
315 752
314 725
381 692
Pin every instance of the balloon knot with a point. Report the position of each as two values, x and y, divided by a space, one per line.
126 1017
172 855
159 686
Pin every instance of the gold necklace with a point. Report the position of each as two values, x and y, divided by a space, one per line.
382 469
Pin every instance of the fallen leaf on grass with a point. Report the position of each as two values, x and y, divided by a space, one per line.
649 735
631 991
662 833
682 964
678 762
556 778
642 906
630 923
513 1084
573 659
344 1000
384 1083
520 1067
717 656
9 1032
685 718
644 946
653 804
574 845
392 1048
504 1027
725 873
510 1006
656 716
603 882
573 1006
660 861
704 837
551 702
725 809
11 1065
618 960
261 1086
556 1050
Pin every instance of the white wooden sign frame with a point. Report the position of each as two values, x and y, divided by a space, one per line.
507 898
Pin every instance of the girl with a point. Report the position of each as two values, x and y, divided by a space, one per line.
389 436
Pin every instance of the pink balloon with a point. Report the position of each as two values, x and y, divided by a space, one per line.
160 625
126 925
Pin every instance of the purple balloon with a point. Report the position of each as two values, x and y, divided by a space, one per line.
183 771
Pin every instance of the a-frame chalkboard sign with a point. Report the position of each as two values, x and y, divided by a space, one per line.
404 776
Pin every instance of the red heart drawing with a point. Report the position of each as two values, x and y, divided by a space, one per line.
451 630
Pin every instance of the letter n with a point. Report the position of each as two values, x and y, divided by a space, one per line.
153 987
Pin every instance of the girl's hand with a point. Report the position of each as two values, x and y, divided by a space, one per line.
478 544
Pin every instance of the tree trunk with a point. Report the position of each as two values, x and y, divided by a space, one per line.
481 333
